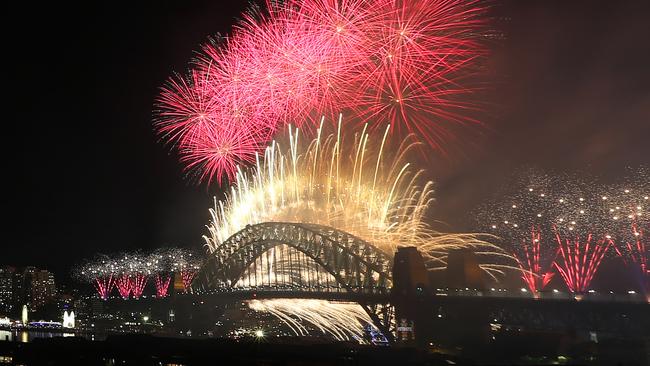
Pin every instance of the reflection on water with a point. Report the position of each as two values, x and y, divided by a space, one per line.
29 335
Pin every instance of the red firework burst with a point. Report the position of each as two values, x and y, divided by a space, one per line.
123 284
635 252
536 271
218 150
376 61
188 275
162 284
580 260
138 283
104 285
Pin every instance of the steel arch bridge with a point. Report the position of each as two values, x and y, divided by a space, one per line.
357 265
360 268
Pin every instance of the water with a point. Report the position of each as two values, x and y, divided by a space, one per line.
29 335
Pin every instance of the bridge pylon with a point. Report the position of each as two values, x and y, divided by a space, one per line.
411 296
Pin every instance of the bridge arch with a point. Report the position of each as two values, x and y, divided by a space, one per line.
357 265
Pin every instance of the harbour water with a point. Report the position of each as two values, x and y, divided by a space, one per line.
25 336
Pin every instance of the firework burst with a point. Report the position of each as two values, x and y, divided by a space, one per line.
402 62
186 263
352 186
553 222
343 321
626 207
101 273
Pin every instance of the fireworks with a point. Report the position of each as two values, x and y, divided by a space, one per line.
101 273
377 61
580 260
536 271
162 268
570 225
626 207
186 263
350 185
343 321
130 272
550 222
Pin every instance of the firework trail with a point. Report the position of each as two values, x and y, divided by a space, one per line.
186 263
535 270
285 266
161 263
101 273
407 63
343 321
553 222
353 186
580 260
129 272
627 210
123 284
520 220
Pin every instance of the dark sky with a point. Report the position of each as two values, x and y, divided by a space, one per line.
84 173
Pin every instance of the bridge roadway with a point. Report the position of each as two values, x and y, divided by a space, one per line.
438 298
479 309
334 295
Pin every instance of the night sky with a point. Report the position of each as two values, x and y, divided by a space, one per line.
84 172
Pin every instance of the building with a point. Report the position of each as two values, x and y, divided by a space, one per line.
6 289
43 288
30 285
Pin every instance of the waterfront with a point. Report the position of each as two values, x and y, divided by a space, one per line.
25 336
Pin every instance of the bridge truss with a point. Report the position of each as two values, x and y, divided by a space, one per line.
300 256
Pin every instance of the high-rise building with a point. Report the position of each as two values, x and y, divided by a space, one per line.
6 289
28 286
43 288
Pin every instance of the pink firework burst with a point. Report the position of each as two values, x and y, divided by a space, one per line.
104 285
536 267
376 61
218 151
162 284
637 255
580 259
124 286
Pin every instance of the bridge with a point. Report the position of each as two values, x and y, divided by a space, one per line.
294 260
284 259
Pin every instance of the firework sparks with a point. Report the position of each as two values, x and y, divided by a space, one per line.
343 321
186 263
353 187
580 260
405 62
101 273
162 269
521 222
162 284
123 284
536 271
585 219
130 272
626 208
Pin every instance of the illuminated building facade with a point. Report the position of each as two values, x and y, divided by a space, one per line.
6 289
30 285
43 288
